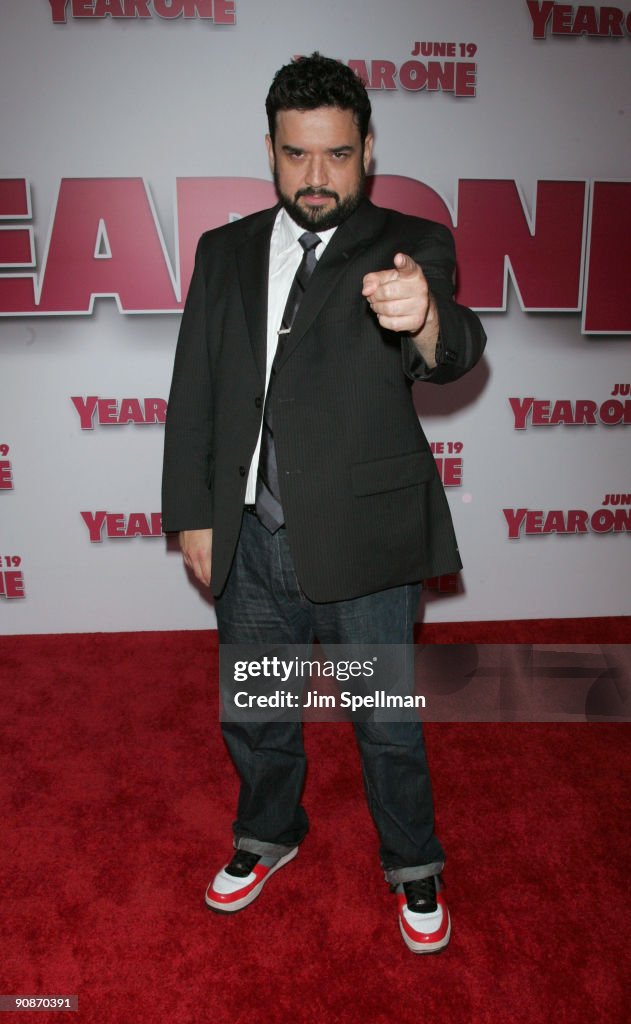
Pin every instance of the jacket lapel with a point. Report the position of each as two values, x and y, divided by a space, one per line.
253 267
350 239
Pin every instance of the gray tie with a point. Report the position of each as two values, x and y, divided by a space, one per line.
268 505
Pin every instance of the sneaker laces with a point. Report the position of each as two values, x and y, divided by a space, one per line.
242 863
420 894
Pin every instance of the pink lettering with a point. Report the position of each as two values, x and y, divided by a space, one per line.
85 407
6 478
58 10
561 19
522 408
136 274
11 584
585 22
94 522
608 302
576 521
586 412
540 14
492 232
514 518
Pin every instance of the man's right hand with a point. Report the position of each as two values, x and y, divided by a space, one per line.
197 546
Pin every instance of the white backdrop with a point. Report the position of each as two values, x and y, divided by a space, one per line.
93 105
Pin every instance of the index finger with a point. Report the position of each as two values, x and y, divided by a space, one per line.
376 278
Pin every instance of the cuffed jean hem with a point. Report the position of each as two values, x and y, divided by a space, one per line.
398 875
258 846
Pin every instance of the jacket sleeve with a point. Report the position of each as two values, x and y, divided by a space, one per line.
462 339
186 497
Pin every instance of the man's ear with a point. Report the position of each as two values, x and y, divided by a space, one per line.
270 152
367 155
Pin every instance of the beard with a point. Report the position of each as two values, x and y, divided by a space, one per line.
318 218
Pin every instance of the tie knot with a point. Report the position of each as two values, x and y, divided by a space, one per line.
309 241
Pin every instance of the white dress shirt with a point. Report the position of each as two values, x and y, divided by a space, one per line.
285 255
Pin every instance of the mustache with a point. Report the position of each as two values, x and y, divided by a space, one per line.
317 192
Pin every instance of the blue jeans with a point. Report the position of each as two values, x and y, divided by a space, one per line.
263 602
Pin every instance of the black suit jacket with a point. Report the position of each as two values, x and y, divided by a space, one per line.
365 509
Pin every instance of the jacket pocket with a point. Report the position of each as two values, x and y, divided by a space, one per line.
392 474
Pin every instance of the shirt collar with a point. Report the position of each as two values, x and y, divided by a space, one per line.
289 232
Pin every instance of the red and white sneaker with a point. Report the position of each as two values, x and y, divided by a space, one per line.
241 881
423 915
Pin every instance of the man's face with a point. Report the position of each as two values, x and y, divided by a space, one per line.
319 165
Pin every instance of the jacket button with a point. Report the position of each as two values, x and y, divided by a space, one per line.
241 470
258 401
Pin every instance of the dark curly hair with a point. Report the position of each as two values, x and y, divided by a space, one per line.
316 81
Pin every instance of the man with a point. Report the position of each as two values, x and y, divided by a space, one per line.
294 456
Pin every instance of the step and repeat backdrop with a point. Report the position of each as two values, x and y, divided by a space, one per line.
130 126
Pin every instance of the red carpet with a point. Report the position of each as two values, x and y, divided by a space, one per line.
605 630
117 799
